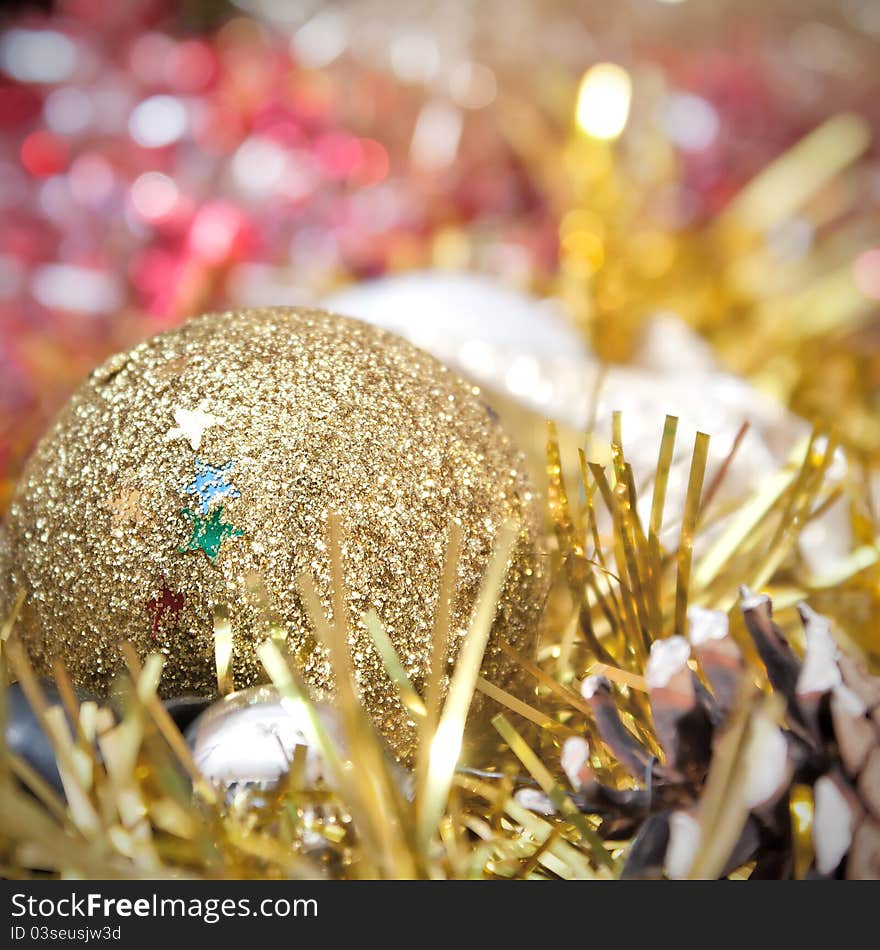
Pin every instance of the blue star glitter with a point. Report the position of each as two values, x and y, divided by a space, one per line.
211 485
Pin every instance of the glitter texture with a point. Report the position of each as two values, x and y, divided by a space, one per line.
320 414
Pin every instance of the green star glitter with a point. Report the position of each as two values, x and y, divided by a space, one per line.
208 534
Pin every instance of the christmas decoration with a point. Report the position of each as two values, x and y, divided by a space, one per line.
318 415
250 739
649 770
691 194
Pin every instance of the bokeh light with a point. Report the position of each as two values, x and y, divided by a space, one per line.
604 100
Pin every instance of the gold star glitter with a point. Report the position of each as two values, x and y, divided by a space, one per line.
168 373
191 425
172 368
125 508
324 415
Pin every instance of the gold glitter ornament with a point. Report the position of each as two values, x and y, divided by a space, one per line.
212 454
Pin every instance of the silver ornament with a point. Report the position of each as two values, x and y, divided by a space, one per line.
249 738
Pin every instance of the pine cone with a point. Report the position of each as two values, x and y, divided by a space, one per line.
816 733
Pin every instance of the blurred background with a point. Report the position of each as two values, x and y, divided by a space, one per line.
687 186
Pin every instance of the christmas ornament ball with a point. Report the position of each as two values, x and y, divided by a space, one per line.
249 738
213 454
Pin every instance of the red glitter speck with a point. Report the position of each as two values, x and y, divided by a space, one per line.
166 602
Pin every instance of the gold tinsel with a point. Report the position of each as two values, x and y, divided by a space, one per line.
144 810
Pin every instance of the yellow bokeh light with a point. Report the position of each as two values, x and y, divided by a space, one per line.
587 246
603 101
